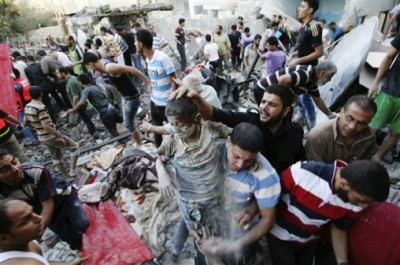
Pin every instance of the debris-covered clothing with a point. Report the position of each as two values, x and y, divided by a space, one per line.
198 166
282 149
325 144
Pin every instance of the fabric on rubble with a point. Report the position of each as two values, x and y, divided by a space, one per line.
108 226
107 158
94 192
159 218
132 171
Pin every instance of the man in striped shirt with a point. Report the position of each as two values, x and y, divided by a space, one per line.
301 79
36 115
315 194
249 177
161 72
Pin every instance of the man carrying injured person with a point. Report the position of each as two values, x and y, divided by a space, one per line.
202 163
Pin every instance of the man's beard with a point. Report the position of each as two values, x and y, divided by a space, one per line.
274 120
343 194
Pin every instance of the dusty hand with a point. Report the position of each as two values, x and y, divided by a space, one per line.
216 246
149 89
145 126
181 91
373 91
166 188
243 218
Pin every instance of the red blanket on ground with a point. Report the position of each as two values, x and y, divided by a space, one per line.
110 240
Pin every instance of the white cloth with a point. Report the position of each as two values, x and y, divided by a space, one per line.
212 50
20 66
4 256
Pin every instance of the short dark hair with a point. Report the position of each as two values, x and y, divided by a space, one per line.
247 137
240 23
208 37
119 28
41 53
98 42
5 222
104 29
233 27
364 102
323 20
272 41
3 153
62 69
280 17
136 24
258 37
15 54
90 57
21 58
30 58
220 27
283 93
274 24
35 92
145 37
182 107
332 23
84 79
240 17
314 4
181 20
368 178
246 29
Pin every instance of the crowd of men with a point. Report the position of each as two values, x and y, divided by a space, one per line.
241 178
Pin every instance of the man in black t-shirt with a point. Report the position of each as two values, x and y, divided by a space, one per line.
308 49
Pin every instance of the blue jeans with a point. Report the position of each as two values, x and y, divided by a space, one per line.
137 62
129 110
26 130
86 119
308 108
110 117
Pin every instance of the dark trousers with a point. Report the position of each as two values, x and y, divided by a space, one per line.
158 117
236 61
61 87
127 58
87 120
181 50
214 65
290 253
70 220
47 90
110 117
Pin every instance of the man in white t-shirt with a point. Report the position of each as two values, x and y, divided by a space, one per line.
211 53
325 32
161 73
